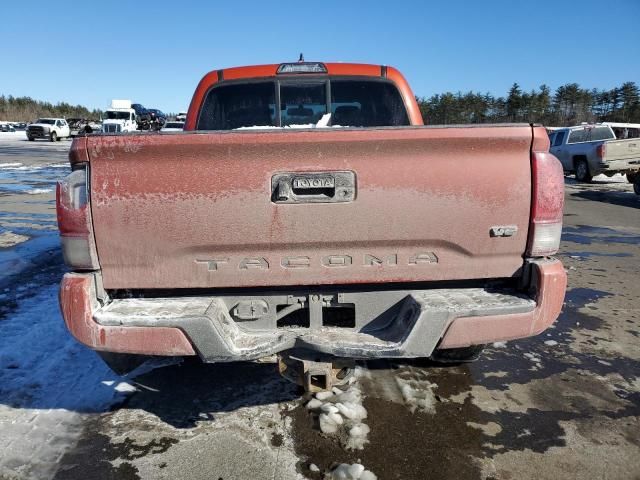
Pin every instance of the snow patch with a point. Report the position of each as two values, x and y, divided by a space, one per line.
37 191
9 239
551 343
355 471
533 357
499 344
418 394
341 413
48 383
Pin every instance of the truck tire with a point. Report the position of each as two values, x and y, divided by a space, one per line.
452 356
632 177
31 139
582 171
53 137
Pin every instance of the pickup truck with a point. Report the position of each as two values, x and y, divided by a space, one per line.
590 150
52 129
306 211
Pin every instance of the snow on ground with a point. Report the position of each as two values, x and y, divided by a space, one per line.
341 413
418 394
48 383
617 178
8 136
344 471
9 239
38 191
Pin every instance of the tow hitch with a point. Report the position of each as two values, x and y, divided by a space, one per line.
321 373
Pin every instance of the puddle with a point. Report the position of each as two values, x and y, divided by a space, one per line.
583 255
31 180
586 235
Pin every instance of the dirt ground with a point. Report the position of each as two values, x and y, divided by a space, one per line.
565 404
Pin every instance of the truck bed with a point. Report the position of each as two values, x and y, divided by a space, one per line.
622 150
207 209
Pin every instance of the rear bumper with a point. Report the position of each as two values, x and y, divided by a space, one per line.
395 324
624 166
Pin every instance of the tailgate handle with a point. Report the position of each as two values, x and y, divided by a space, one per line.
313 187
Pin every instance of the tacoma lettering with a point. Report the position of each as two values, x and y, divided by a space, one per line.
328 261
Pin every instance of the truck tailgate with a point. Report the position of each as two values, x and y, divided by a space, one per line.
627 149
198 210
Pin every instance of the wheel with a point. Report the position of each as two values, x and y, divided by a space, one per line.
457 355
632 177
54 137
582 171
31 139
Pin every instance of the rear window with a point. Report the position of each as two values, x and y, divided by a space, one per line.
352 103
590 134
366 104
239 105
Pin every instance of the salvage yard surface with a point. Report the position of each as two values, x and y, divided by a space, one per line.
565 404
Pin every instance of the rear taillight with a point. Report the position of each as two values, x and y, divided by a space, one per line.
547 203
74 220
601 150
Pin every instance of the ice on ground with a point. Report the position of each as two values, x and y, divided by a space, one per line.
551 343
355 471
9 239
314 468
418 394
10 165
48 383
499 344
341 413
37 191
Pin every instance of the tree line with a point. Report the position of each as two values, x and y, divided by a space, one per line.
26 109
570 104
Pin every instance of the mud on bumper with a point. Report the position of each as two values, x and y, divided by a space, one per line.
391 324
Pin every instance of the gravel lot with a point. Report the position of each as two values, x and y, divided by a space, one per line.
565 404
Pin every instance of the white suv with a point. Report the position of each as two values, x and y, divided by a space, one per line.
50 128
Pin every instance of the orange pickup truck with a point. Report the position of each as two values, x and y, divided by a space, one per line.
306 211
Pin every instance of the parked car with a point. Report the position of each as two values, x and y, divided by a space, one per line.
143 117
589 150
53 129
158 118
173 127
7 127
181 117
318 243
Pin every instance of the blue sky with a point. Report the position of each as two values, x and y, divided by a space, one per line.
156 52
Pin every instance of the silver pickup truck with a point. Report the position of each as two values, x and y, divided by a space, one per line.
589 150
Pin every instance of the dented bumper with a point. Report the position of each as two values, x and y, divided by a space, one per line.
386 324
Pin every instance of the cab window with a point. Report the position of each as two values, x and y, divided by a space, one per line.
559 139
